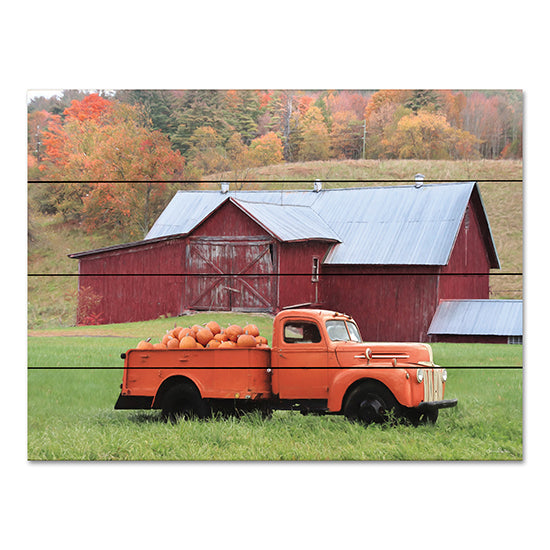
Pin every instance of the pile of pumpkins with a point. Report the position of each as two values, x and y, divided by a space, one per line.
210 336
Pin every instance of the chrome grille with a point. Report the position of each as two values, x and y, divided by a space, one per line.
433 384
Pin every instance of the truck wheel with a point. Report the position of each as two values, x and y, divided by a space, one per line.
429 417
370 403
417 418
183 401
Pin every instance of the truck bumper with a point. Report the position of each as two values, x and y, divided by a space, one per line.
134 402
430 406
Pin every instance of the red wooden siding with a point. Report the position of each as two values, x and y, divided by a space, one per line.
388 303
134 283
470 339
295 266
469 256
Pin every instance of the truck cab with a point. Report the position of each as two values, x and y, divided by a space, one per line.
319 355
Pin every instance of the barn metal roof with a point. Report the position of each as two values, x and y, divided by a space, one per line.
398 225
478 317
395 225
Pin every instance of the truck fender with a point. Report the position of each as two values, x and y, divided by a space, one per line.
392 379
170 382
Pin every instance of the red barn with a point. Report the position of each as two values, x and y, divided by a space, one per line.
385 255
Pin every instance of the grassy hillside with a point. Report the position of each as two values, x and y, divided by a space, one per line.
52 300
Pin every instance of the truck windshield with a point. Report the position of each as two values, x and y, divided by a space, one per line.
343 330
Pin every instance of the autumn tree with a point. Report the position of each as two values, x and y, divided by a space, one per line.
102 140
346 136
238 157
428 135
266 150
314 136
206 152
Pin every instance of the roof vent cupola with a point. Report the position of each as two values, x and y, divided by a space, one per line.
317 186
419 180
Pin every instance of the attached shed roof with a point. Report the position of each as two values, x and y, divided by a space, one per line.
399 225
478 317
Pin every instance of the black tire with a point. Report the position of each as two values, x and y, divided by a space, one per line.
371 403
183 401
417 418
429 417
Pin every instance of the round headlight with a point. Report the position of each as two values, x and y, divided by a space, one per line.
444 375
420 375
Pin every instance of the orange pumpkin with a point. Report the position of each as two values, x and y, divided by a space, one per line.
214 327
204 335
233 332
186 332
213 344
261 340
175 331
165 338
145 344
173 343
228 344
251 329
198 345
246 341
196 328
221 336
160 345
188 342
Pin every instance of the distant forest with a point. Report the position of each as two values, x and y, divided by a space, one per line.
214 130
184 135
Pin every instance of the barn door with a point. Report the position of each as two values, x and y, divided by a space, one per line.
238 275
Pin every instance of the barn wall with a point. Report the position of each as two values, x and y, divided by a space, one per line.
134 283
229 221
295 269
469 339
469 256
388 303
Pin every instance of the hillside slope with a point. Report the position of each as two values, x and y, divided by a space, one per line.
52 299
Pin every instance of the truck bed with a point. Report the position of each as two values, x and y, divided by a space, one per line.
218 373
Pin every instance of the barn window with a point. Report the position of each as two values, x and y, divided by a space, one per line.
515 339
298 332
315 271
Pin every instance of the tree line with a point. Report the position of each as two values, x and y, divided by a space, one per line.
145 135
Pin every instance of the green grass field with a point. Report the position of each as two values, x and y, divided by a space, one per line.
71 415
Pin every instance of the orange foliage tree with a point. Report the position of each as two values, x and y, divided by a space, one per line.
265 150
428 135
100 140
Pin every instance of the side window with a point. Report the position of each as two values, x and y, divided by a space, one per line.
315 270
298 332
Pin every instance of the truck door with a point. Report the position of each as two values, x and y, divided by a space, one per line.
302 361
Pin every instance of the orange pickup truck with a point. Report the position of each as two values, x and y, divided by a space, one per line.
317 363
